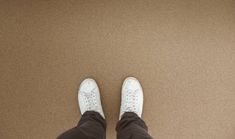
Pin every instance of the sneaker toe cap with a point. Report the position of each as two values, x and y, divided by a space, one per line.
131 83
88 85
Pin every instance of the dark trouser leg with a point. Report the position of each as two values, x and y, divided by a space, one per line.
91 126
132 127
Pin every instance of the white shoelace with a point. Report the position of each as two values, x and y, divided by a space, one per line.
131 101
90 100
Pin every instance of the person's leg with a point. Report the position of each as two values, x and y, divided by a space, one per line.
92 125
130 125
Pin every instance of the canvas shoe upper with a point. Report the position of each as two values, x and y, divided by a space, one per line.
89 97
131 97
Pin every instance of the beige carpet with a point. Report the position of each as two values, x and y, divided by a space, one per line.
182 51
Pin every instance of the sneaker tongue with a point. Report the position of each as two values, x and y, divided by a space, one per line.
130 109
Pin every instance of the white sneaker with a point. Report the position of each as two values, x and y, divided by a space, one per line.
89 97
132 97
